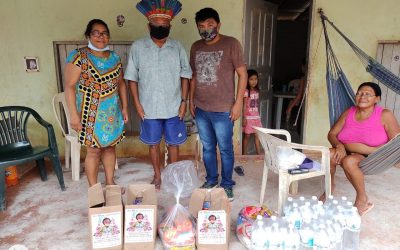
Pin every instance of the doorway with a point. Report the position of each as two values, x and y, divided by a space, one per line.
276 39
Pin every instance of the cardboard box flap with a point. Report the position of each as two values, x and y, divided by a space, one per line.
113 195
95 195
219 200
146 191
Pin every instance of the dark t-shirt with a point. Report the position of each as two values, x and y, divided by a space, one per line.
214 69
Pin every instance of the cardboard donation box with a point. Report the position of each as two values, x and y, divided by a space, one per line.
105 217
211 207
140 217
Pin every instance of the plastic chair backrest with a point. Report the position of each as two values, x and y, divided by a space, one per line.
13 132
271 143
62 110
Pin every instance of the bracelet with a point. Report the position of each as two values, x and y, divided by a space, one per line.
183 100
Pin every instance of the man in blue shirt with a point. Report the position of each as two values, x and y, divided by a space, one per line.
158 72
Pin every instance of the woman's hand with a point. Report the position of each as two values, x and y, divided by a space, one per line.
125 115
75 122
340 153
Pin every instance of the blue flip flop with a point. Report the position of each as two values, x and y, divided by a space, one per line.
239 170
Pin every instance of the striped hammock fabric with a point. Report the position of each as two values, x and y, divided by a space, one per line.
341 95
382 159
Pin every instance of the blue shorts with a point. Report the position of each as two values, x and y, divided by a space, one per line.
174 130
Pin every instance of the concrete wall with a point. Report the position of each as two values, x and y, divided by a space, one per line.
28 28
365 22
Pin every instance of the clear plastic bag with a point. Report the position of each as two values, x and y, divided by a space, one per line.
180 178
178 228
289 158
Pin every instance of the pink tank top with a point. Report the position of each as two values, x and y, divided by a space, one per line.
370 132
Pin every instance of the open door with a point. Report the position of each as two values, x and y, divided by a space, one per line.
259 35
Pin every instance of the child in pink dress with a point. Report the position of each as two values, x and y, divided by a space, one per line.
251 114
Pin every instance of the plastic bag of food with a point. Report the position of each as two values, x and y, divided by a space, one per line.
178 228
245 220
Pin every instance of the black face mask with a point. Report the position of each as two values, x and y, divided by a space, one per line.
159 32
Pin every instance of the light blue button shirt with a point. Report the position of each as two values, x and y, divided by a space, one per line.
158 72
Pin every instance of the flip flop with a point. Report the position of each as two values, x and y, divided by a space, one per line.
239 170
259 159
367 208
242 160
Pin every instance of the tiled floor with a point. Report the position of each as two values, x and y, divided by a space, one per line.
40 216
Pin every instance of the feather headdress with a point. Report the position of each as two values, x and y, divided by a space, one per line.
159 8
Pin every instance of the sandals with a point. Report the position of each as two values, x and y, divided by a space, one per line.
239 170
368 207
157 183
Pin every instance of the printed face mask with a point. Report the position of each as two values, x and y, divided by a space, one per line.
208 34
159 32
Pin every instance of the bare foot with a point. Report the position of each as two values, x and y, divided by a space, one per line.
156 182
322 197
365 208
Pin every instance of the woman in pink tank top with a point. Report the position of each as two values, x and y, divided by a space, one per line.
358 132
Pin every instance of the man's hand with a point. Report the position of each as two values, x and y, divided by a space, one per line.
235 111
192 108
75 122
182 110
140 111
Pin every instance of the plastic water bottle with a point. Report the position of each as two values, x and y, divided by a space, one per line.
292 238
276 237
295 217
314 200
351 234
343 200
321 239
307 238
288 206
258 234
301 201
306 212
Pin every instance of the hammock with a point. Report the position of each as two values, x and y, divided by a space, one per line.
340 93
382 159
341 97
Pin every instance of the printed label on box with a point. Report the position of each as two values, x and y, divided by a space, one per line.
139 224
211 227
107 230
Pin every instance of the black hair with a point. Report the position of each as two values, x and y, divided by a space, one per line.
106 219
138 215
90 25
205 14
252 72
374 86
215 217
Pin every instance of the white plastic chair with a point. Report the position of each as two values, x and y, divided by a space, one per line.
72 145
270 144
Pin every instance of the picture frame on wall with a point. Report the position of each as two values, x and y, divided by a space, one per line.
31 64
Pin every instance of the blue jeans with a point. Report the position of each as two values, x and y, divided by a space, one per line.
216 128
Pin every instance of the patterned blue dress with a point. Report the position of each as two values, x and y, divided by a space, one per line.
97 98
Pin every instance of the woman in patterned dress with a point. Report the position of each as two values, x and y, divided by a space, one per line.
97 100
